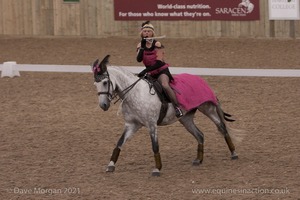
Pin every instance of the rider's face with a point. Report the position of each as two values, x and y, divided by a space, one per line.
147 33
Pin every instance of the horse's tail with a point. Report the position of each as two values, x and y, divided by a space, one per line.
236 134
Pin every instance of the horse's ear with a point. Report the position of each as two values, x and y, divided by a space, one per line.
95 67
105 59
104 62
96 63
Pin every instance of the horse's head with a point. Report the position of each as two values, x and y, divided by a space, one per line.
104 85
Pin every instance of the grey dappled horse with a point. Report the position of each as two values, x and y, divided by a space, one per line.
141 108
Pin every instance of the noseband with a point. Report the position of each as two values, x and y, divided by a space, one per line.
99 78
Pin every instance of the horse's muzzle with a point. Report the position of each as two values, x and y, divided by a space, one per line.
104 106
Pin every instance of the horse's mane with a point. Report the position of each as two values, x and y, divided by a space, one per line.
123 70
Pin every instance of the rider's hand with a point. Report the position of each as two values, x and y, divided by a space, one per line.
143 43
142 73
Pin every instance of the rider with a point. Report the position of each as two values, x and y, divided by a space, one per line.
151 52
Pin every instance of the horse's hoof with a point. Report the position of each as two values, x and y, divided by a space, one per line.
196 162
156 172
110 168
234 157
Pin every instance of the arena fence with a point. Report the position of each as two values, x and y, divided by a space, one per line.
11 69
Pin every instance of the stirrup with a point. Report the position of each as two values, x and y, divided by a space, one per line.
178 112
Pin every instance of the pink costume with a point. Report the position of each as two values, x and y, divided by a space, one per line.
192 91
149 59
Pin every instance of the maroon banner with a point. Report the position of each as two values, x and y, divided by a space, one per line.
186 10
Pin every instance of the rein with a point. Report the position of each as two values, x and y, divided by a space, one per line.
125 91
122 93
113 96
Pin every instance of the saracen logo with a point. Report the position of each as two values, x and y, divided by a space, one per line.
242 9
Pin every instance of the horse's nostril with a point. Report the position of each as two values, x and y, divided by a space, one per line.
104 106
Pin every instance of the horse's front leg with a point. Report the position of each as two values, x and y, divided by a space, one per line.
155 148
129 130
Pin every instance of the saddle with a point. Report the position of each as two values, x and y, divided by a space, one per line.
163 96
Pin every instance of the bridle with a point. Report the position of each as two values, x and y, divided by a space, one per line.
110 95
99 78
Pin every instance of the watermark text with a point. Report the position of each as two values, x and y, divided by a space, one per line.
221 191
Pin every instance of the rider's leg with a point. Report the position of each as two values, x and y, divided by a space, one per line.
164 80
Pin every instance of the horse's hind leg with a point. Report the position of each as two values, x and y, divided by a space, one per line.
188 122
215 113
129 130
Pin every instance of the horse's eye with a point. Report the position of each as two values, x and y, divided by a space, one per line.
104 83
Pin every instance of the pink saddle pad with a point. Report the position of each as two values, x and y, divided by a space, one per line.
192 91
